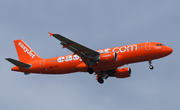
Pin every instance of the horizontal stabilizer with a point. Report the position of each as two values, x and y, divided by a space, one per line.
18 63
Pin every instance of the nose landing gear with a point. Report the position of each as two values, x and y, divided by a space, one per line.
150 65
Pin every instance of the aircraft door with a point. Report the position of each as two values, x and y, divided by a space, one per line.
42 63
148 46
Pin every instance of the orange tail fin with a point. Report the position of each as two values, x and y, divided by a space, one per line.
25 53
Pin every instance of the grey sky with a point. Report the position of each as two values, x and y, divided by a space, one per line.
96 24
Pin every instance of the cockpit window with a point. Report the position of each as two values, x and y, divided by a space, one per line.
159 44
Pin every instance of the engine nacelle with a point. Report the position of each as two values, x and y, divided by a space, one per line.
108 57
123 72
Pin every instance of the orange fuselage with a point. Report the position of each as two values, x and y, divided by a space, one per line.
73 63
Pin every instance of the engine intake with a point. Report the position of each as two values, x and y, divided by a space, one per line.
123 72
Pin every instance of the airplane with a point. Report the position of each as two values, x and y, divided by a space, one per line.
104 63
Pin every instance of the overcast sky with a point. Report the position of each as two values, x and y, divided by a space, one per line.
96 24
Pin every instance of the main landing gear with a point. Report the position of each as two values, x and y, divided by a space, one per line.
90 70
150 65
100 80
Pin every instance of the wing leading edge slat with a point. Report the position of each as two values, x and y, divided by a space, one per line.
77 46
78 49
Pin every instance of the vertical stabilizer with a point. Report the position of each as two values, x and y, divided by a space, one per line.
25 53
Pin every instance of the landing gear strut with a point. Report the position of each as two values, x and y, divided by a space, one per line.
90 70
100 80
150 65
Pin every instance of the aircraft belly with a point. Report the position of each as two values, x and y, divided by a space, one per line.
99 66
61 68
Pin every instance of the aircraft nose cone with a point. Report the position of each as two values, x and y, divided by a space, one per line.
169 50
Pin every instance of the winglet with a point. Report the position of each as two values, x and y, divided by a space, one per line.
50 34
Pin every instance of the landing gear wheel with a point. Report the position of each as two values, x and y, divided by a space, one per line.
100 80
90 70
151 67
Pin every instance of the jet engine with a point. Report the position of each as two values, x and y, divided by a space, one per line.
108 57
123 72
